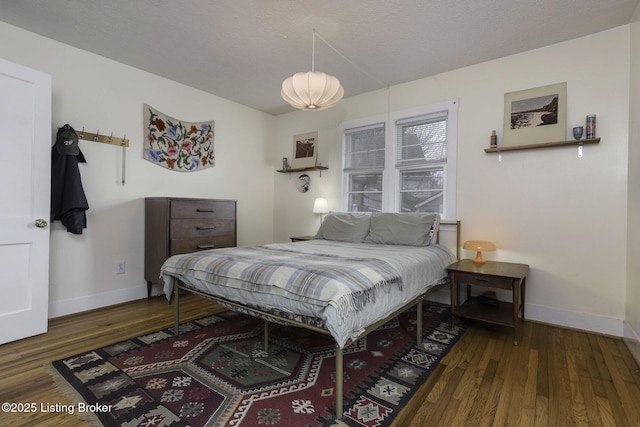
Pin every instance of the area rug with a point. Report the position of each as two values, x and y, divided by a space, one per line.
216 373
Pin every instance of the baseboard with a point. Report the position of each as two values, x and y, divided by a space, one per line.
90 302
632 340
574 320
570 319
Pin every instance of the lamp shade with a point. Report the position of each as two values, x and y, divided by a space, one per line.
312 90
320 206
479 246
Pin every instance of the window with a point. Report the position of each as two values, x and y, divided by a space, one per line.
364 167
421 144
410 169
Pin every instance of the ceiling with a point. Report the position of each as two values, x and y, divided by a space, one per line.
242 50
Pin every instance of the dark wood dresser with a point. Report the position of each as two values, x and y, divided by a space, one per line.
180 225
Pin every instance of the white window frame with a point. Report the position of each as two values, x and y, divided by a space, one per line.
391 174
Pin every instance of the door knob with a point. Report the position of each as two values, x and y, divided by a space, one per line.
41 223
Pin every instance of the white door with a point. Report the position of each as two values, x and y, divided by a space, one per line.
25 176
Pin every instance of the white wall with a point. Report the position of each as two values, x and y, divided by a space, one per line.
104 95
632 321
564 216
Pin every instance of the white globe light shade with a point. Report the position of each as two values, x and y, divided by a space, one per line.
312 90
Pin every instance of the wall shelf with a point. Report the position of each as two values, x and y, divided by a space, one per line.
543 145
312 168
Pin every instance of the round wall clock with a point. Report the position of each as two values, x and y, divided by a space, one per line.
304 182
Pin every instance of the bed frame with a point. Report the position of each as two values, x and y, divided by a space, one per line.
445 226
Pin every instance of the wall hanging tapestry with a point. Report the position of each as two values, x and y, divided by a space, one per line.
216 373
176 144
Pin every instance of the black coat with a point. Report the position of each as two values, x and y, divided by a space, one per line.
68 201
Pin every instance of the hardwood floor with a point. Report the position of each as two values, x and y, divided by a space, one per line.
554 377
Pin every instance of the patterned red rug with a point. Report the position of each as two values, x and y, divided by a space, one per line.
216 373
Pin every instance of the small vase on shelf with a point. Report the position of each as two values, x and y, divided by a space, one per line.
577 132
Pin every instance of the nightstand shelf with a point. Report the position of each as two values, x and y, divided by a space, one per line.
500 314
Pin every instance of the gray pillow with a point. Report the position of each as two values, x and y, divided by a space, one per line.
345 227
412 228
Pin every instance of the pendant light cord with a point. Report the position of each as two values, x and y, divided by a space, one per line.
313 52
356 66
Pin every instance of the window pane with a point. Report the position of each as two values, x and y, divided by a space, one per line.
365 182
424 201
365 192
365 149
365 202
424 179
422 190
422 141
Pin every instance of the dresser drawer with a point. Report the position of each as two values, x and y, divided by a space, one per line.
484 280
186 228
183 246
202 209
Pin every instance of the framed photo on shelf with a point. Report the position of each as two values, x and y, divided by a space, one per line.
305 150
535 116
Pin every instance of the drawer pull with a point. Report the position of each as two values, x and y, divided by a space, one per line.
210 246
204 210
205 227
481 279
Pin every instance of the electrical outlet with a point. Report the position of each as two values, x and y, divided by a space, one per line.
120 267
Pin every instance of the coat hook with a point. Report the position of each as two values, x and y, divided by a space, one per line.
124 139
82 133
95 138
110 137
124 157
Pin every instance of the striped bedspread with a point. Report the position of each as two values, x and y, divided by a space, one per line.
347 283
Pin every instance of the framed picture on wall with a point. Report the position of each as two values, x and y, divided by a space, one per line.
535 116
305 150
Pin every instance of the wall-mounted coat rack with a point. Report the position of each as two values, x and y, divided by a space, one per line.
105 139
110 139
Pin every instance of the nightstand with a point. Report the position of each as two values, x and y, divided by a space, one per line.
301 238
491 275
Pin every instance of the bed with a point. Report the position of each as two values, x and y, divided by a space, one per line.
359 271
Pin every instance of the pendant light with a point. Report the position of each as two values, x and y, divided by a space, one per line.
312 90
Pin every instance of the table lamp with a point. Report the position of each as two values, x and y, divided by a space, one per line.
320 206
479 246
